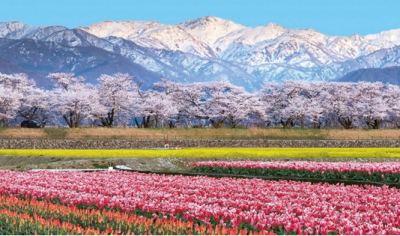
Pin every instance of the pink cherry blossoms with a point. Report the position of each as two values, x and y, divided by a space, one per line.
119 100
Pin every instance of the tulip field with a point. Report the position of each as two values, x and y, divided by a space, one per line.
128 202
28 217
382 172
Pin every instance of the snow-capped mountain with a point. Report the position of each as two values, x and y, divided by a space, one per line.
385 39
209 29
204 49
15 29
269 52
152 35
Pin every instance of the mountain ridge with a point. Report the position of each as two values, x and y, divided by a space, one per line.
205 49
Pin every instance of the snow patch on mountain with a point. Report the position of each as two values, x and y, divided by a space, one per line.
15 30
385 39
153 35
249 36
209 29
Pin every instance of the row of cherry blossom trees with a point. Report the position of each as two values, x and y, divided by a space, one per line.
119 100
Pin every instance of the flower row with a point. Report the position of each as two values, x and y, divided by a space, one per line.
28 217
387 172
281 206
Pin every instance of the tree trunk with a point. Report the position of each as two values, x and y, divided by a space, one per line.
111 118
29 115
346 122
232 123
137 122
217 124
285 124
77 121
69 121
369 123
147 122
377 124
315 121
156 120
302 121
72 120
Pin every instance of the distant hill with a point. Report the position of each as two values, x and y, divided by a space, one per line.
387 75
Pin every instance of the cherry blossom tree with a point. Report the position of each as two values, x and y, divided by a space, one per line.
376 100
317 105
169 92
118 94
16 82
394 106
154 107
74 100
312 100
117 98
240 104
283 103
65 80
10 101
35 105
343 99
13 88
216 102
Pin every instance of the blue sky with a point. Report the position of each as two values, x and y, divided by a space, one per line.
332 17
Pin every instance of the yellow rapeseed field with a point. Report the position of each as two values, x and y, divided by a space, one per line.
215 152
